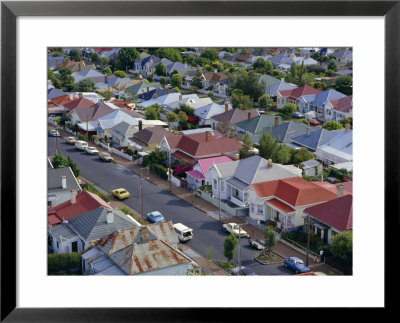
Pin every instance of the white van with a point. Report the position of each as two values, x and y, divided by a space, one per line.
184 233
81 145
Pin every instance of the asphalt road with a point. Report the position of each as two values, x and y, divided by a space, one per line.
207 231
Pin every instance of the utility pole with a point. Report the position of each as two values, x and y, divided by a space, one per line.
141 189
240 227
56 140
87 128
308 237
219 198
169 171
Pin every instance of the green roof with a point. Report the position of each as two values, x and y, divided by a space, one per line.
258 124
268 80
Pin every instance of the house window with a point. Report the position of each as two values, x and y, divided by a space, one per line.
235 192
260 209
245 196
222 186
215 184
252 207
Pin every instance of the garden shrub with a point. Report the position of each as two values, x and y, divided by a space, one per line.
90 188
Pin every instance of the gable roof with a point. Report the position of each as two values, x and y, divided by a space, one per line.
288 130
282 85
206 163
115 117
316 138
259 123
235 115
268 80
215 78
85 202
54 183
92 225
151 135
94 112
327 95
295 191
337 213
53 93
298 92
344 104
343 53
79 103
210 110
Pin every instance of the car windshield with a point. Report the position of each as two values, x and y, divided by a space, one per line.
157 215
122 192
106 155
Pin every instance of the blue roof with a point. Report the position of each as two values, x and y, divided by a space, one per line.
281 86
328 95
54 93
316 138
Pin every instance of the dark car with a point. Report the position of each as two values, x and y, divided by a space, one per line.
297 115
257 244
244 271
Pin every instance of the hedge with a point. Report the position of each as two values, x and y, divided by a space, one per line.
90 188
63 261
159 170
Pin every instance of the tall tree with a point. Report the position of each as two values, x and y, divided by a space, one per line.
126 57
241 101
176 80
248 83
152 112
210 53
230 243
104 60
301 155
161 69
284 155
247 146
332 125
344 84
172 54
264 101
269 237
268 146
94 57
86 85
342 246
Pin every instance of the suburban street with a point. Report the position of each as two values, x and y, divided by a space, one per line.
207 231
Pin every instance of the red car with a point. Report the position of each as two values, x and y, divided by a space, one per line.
314 122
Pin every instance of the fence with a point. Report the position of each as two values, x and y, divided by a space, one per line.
299 248
113 150
225 207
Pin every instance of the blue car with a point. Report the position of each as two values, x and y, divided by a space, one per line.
155 217
296 264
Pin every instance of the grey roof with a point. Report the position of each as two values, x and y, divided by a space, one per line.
54 93
93 225
237 183
317 138
125 129
310 163
288 130
54 182
227 169
63 231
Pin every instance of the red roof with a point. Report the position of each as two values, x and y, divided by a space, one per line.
79 103
122 104
295 191
179 155
332 187
280 205
204 144
60 100
344 104
337 213
85 202
300 91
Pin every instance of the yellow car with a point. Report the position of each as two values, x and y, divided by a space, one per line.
120 193
234 228
70 140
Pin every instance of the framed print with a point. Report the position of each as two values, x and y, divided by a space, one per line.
29 29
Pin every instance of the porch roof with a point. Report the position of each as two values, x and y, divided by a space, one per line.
316 223
180 155
196 174
280 205
237 183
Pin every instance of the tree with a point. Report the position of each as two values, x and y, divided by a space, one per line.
172 54
269 237
50 74
248 83
241 101
230 243
107 94
94 57
120 73
104 60
301 155
196 83
182 116
293 70
63 120
342 246
152 112
161 70
176 89
172 117
332 65
73 167
284 155
107 70
259 64
264 101
344 84
59 161
86 85
126 57
75 55
288 109
227 129
211 54
247 146
332 125
176 80
269 67
268 145
162 81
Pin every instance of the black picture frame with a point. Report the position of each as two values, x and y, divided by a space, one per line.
10 10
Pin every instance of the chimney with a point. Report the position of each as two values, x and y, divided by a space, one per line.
168 91
147 89
248 116
306 56
347 127
80 95
64 181
215 70
155 94
180 97
270 163
226 107
208 134
140 125
340 190
153 59
308 129
110 217
276 121
73 196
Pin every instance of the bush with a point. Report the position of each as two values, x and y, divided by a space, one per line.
159 170
206 189
81 137
129 152
63 261
95 137
90 188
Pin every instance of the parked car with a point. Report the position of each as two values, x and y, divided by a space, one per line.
244 271
234 228
120 193
70 140
183 232
106 157
81 145
258 244
297 115
314 122
54 133
296 264
92 150
155 217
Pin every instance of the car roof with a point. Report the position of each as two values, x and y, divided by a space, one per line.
155 213
296 258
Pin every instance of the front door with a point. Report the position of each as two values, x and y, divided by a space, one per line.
75 246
